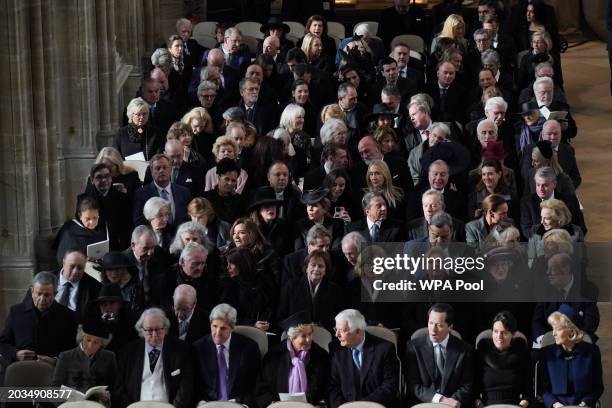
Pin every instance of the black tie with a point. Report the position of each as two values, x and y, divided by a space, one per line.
443 92
153 356
250 114
65 299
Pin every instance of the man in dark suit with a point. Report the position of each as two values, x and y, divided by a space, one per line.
409 68
292 208
188 321
402 18
546 182
504 44
75 288
162 186
263 116
375 227
354 111
39 327
228 77
432 203
192 50
228 362
115 206
333 156
390 76
162 112
439 365
365 367
182 173
369 151
447 94
234 57
157 367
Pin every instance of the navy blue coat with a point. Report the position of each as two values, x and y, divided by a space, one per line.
180 195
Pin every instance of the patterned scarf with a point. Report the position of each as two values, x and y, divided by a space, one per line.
527 132
298 382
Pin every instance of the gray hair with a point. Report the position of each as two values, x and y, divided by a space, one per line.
230 31
234 114
136 105
441 220
160 56
420 106
547 173
81 333
443 127
152 312
391 90
224 312
45 278
433 191
437 163
490 57
289 114
368 197
353 238
192 247
496 100
181 22
482 31
185 290
295 331
353 317
280 133
484 122
343 89
153 207
189 227
329 128
206 86
362 28
141 230
317 231
543 80
542 65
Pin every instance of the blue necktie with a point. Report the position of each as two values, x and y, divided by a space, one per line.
375 229
356 353
166 196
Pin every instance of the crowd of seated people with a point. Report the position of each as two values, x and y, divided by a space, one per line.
274 173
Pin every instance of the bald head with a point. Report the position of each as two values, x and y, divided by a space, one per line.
174 150
369 149
271 45
215 58
551 131
159 75
185 298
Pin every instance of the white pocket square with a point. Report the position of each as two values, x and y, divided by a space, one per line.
175 372
188 180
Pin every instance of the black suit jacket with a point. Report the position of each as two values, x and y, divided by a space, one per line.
454 201
419 229
566 156
180 195
179 372
530 212
377 381
265 117
188 176
393 24
87 292
199 325
454 108
390 230
244 364
421 371
274 376
48 334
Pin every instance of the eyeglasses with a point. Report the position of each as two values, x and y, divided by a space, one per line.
154 330
100 177
141 114
341 331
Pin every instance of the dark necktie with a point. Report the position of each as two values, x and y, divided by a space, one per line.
356 353
65 299
153 357
222 368
166 196
443 92
250 114
375 229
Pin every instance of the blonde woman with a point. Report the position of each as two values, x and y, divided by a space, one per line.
453 28
125 178
378 179
313 48
543 155
572 365
137 136
224 147
333 110
201 125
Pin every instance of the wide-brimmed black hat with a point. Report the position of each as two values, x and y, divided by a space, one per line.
455 155
274 22
109 293
95 327
113 260
379 109
528 106
296 319
314 196
263 196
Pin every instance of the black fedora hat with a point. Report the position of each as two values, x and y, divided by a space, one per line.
379 109
455 155
263 196
528 106
109 293
314 196
95 327
113 260
274 22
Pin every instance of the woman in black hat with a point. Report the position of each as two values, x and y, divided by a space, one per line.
295 365
528 130
318 212
277 28
264 213
88 364
115 269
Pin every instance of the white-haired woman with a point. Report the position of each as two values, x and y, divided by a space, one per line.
137 136
88 364
293 121
295 365
225 147
157 212
572 365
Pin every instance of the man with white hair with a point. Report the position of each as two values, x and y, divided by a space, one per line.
365 367
543 90
188 321
192 50
543 69
228 362
433 203
230 46
364 32
156 367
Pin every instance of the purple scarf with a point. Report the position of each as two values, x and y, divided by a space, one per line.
297 376
527 131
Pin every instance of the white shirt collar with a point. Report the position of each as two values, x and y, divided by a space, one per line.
444 342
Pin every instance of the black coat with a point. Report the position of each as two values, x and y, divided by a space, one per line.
188 176
229 208
199 325
206 286
149 143
454 108
47 334
87 292
274 375
256 302
265 117
530 212
74 235
179 372
377 381
115 212
397 166
244 364
334 225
